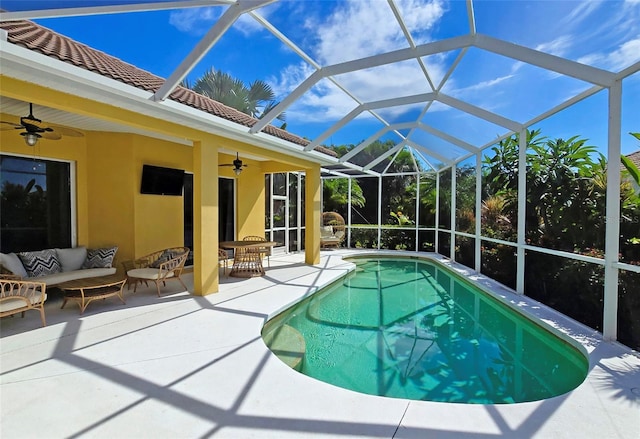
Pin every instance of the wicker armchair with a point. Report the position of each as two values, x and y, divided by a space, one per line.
264 251
332 230
159 267
18 296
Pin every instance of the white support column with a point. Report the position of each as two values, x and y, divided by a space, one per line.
418 212
436 240
478 230
379 209
452 250
612 231
349 215
522 210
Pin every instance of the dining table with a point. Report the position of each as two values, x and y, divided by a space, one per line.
247 259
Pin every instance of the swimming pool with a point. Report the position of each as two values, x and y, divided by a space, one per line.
410 328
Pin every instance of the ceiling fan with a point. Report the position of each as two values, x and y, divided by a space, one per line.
237 165
36 129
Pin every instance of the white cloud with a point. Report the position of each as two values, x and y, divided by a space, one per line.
625 55
355 30
559 46
580 13
480 87
198 21
194 21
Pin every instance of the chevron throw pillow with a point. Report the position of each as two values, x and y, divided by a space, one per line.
100 257
40 263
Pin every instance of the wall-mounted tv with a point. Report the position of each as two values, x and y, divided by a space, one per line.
161 181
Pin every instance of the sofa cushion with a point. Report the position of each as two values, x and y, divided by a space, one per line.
100 257
12 262
72 258
40 263
57 278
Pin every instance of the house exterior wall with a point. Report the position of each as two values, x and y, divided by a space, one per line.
109 207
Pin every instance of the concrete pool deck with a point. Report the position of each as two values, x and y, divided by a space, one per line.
187 366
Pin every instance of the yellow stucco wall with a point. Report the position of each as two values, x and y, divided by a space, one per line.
108 166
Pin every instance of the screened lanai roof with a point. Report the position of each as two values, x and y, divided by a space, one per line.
441 80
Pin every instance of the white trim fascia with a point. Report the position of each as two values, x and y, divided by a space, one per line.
30 66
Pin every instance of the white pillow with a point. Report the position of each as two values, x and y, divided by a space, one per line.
12 262
326 231
72 258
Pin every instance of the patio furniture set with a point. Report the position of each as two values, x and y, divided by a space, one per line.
23 285
248 254
88 275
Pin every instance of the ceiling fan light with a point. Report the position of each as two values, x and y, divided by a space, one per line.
237 171
31 138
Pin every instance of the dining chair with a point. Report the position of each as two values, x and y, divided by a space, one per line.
223 257
264 251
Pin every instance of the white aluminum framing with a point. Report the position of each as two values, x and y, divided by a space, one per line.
135 99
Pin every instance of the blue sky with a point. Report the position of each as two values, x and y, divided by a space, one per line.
605 34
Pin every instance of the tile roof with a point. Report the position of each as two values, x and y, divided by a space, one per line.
38 38
635 158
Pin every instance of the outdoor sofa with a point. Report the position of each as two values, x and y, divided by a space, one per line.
54 266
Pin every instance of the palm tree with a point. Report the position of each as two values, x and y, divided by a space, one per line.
256 99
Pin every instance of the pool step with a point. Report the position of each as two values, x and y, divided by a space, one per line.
288 344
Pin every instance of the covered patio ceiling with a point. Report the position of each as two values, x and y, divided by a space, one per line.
433 55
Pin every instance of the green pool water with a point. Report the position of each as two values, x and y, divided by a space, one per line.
408 328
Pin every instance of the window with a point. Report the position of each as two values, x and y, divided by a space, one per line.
35 211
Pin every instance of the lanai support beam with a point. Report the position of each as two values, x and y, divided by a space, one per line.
612 229
546 61
522 211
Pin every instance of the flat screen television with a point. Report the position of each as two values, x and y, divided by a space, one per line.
157 180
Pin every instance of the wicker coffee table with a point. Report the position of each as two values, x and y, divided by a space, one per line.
85 291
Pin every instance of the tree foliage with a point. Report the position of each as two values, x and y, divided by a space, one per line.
255 99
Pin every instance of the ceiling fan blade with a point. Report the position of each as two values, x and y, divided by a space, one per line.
51 135
226 164
66 131
9 126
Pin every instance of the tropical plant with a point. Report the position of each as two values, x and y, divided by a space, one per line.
632 169
255 99
402 219
335 195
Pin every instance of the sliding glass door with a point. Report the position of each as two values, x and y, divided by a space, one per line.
36 209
